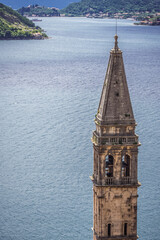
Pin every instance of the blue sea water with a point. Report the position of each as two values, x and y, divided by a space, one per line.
49 94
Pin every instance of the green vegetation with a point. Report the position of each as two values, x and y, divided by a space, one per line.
97 8
15 26
38 11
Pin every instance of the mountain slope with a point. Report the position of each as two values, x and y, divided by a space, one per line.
15 4
111 6
15 26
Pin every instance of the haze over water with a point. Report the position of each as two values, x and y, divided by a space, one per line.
49 95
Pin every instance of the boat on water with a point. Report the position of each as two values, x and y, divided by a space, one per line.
36 20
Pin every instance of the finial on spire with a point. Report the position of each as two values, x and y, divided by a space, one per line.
116 42
116 25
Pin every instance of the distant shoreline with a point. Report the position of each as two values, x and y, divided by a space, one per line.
141 23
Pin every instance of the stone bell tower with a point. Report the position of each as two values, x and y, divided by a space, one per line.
115 158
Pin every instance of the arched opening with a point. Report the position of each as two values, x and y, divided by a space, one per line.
126 166
109 230
109 166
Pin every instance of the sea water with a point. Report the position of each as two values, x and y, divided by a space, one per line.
49 94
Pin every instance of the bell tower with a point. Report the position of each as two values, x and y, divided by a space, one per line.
115 147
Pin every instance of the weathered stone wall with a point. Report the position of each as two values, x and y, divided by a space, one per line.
115 206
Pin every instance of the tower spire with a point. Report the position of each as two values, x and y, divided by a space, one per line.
115 105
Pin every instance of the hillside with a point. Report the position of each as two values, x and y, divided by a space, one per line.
15 26
16 4
91 7
39 11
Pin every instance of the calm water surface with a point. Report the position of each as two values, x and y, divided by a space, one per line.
49 94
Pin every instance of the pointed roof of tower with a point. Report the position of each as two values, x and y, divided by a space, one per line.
115 105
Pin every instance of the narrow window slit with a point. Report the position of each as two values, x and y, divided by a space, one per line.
109 230
125 229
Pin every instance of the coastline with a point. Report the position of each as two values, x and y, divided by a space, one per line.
136 22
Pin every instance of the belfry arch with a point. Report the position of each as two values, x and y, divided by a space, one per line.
109 163
126 166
